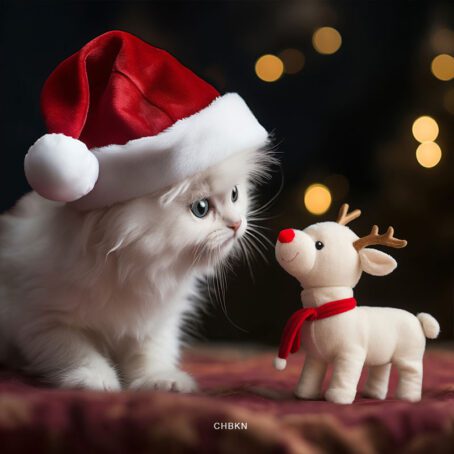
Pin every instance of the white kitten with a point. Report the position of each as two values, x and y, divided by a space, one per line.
97 299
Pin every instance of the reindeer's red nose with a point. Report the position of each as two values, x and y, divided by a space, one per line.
286 236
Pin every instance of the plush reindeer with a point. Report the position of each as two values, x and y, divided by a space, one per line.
328 259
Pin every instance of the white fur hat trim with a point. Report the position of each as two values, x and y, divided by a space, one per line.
62 168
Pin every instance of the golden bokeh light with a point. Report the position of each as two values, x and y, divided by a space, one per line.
317 199
326 40
442 40
269 68
443 67
293 60
428 154
425 129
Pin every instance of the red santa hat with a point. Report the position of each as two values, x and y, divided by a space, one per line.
126 119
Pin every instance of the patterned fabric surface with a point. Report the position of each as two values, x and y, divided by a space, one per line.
238 385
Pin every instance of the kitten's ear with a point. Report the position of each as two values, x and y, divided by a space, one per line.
170 195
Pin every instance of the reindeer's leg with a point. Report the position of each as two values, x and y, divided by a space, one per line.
410 379
310 382
377 381
346 373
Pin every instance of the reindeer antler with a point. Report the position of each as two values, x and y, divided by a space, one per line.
344 217
385 239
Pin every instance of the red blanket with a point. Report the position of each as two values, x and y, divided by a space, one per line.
237 386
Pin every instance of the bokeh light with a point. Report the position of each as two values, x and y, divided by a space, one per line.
443 67
442 40
425 129
269 68
428 154
326 40
317 199
293 60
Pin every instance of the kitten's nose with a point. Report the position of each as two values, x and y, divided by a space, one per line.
286 236
235 225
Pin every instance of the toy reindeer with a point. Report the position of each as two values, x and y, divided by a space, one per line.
328 259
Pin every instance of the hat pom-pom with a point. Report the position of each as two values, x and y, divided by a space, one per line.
280 363
61 168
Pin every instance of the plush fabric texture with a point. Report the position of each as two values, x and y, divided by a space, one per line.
237 385
147 118
324 260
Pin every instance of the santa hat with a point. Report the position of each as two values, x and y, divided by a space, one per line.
126 119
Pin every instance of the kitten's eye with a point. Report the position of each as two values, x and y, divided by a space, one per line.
235 194
319 245
200 208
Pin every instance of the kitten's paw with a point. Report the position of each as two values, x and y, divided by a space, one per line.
94 378
166 380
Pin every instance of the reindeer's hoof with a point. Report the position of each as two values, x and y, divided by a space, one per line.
340 396
307 394
410 396
374 393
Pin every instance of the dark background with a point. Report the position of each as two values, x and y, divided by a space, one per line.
346 114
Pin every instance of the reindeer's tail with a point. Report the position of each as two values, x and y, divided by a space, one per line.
429 325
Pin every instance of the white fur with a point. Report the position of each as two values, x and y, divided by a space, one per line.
61 168
372 336
97 299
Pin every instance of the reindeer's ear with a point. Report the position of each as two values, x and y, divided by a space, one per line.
376 262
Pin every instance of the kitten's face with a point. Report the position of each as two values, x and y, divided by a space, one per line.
200 221
211 212
212 221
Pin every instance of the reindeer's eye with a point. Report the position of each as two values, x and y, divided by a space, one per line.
319 245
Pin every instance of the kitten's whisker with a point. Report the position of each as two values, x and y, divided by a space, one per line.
202 248
270 202
264 237
254 219
219 281
223 286
256 215
247 244
258 241
252 238
246 256
197 252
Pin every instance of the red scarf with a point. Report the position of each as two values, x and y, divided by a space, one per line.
291 336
